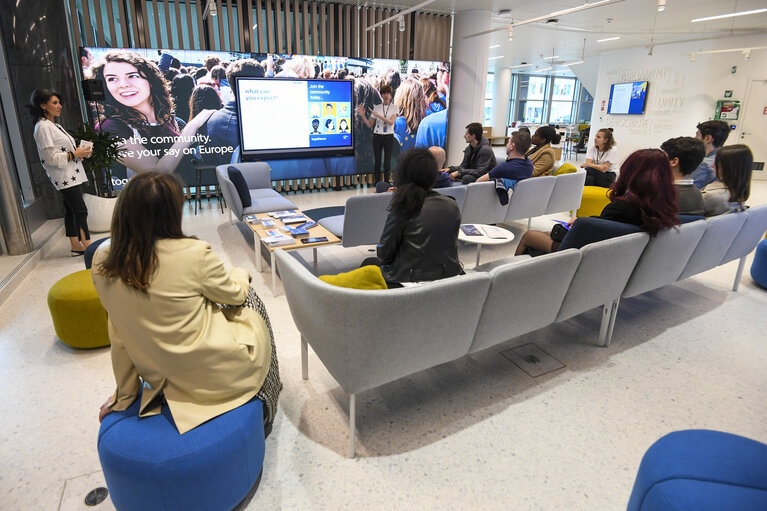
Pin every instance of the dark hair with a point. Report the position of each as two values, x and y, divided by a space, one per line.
181 90
475 128
521 141
689 150
343 121
158 87
609 140
393 80
525 129
317 121
549 134
430 91
328 122
149 208
645 181
84 52
170 74
385 89
415 175
218 73
209 61
734 164
201 71
37 98
243 67
203 97
719 131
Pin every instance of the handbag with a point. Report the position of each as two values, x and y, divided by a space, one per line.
558 233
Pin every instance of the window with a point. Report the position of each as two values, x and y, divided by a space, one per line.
532 94
549 99
585 105
489 99
562 94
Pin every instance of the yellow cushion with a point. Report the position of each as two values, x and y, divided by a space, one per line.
366 277
593 201
566 168
78 316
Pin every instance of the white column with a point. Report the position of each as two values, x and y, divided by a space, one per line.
501 94
468 77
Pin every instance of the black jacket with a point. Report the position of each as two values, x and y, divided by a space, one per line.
477 161
425 247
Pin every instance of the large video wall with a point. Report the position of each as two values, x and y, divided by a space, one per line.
174 109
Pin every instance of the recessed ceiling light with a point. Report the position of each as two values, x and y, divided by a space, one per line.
544 69
731 15
608 39
573 63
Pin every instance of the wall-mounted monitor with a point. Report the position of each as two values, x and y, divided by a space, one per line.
293 117
627 98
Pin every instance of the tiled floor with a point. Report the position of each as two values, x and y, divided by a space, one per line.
478 433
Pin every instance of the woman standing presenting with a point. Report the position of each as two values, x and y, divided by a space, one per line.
383 116
61 160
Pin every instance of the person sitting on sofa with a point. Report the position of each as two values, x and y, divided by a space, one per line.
734 165
643 195
713 134
516 167
684 155
420 238
542 155
601 160
478 157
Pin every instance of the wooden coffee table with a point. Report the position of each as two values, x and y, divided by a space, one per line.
259 231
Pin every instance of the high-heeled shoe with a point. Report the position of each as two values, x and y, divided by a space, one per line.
76 253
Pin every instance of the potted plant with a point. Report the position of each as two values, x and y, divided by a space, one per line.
98 167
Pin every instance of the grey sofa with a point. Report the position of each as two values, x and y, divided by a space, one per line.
262 196
523 294
365 215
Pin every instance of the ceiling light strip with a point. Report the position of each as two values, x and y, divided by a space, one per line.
731 15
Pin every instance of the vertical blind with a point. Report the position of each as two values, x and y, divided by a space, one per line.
260 26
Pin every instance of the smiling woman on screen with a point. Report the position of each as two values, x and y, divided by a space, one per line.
139 109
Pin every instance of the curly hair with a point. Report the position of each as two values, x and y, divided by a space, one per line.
609 140
411 102
158 86
645 180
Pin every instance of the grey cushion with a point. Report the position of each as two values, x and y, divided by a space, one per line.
334 224
368 338
602 274
481 205
264 204
530 198
364 218
752 231
664 258
524 297
567 192
263 197
720 232
456 192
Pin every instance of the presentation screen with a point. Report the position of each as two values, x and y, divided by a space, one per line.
627 98
290 117
178 111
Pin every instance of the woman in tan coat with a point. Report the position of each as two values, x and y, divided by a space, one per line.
194 332
542 154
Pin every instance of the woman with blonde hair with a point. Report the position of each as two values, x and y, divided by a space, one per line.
433 101
411 102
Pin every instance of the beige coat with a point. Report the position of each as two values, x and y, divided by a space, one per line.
543 160
178 341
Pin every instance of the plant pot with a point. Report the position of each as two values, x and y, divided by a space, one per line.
100 210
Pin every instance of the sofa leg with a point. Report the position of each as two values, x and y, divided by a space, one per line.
352 421
609 313
231 217
304 359
739 273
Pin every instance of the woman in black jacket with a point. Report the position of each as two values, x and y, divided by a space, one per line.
420 238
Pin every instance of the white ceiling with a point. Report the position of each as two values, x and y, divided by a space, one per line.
637 22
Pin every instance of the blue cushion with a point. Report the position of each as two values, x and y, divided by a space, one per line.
701 470
235 176
590 229
91 251
148 465
685 219
759 266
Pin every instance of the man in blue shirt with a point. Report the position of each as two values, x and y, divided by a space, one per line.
713 134
516 167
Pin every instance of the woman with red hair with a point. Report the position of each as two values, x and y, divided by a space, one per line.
644 195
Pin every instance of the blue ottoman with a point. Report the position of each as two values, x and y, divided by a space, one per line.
703 471
759 266
148 465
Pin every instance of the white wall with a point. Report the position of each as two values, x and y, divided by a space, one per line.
680 94
501 94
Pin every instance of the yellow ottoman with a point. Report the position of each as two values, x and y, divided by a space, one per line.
78 316
593 201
